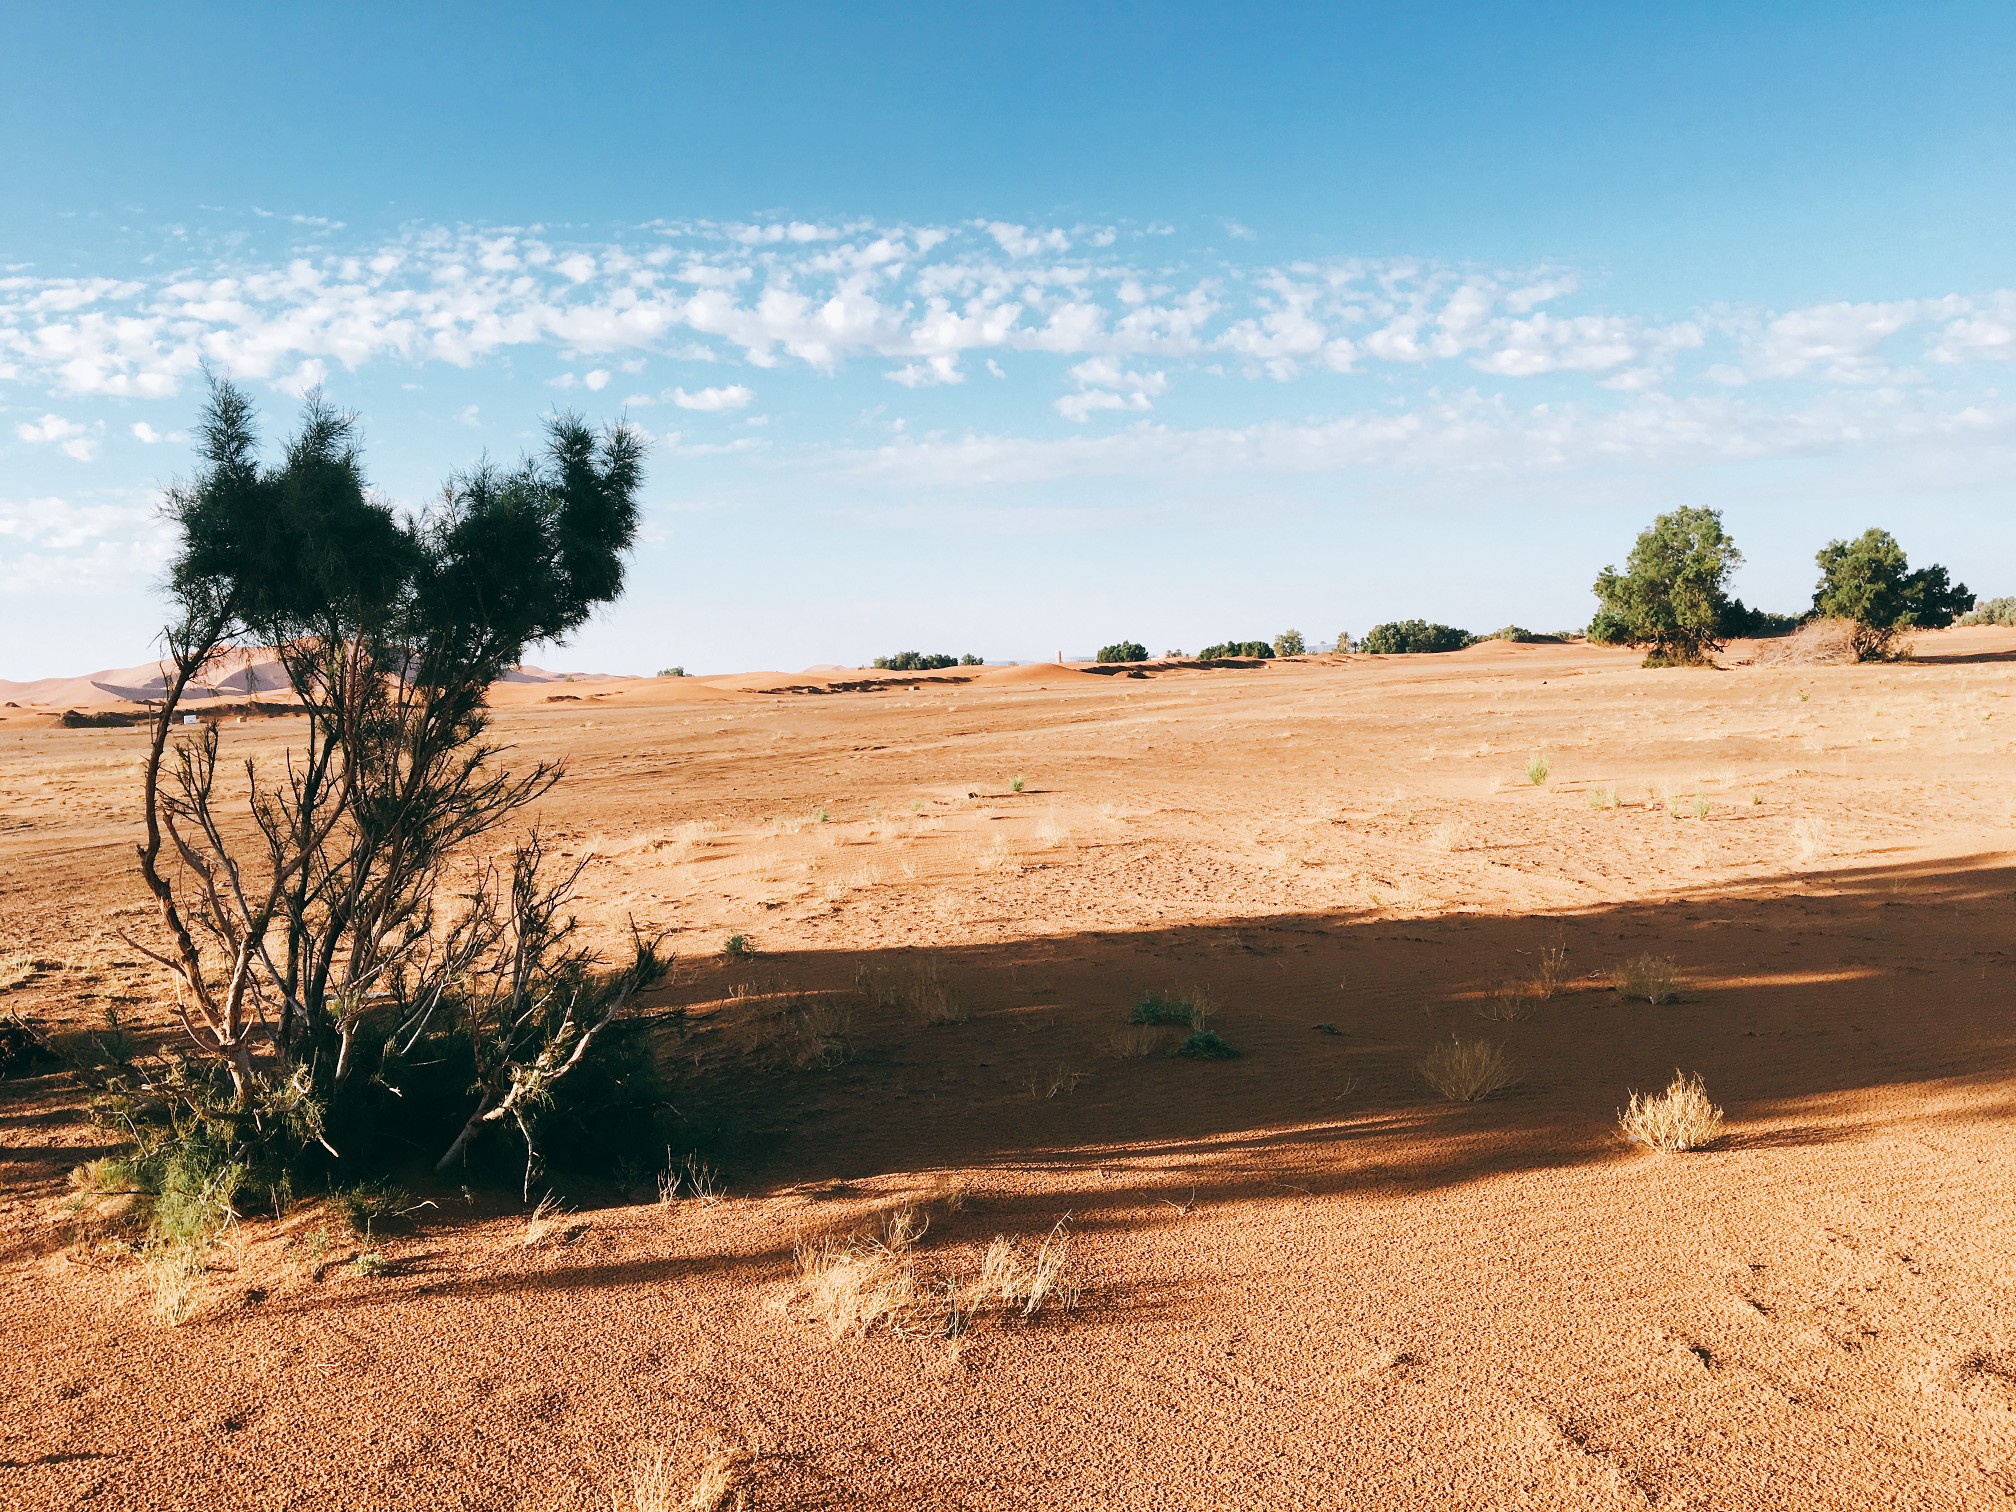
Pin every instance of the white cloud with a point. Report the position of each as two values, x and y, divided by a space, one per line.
595 381
74 440
1104 385
731 397
1464 433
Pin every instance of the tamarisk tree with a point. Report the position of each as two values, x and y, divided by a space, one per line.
315 936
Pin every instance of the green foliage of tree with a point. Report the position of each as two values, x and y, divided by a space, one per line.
1671 596
1403 637
318 957
970 660
1741 622
1123 651
1868 580
1289 643
1251 650
915 661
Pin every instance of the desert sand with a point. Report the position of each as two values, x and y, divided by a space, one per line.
1306 1280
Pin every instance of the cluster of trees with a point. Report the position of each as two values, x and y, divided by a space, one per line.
1400 637
1672 596
1287 643
924 661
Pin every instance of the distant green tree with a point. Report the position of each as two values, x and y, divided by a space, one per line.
673 672
1672 594
1123 651
1241 650
1867 580
1994 611
970 660
1403 637
1289 643
915 661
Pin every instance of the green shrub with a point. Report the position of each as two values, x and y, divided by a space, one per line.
1205 1044
1404 637
1123 651
914 661
970 660
1289 643
1188 1010
1995 611
673 672
1671 596
1226 650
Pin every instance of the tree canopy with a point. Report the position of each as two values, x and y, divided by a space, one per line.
1672 595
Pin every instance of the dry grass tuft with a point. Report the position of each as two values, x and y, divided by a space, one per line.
802 1030
922 990
17 970
1552 977
1139 1041
1650 978
1508 1003
1680 1118
657 1486
545 1217
858 1285
1467 1070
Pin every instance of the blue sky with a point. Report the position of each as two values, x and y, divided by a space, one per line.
1019 329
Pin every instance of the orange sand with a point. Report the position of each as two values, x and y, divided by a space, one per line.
1309 1283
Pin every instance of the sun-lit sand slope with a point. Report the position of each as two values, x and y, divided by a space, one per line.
1308 1282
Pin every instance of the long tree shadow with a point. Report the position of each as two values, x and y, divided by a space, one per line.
1797 993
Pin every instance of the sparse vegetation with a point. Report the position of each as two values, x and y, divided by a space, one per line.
1647 978
672 672
1537 770
1123 651
1290 643
1409 637
921 989
1467 1070
737 947
1680 1118
919 661
1671 596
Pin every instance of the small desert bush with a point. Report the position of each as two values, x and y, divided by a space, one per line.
1650 978
1536 771
364 1205
23 1047
16 969
1205 1044
1507 1003
1680 1118
1467 1070
1016 785
1552 976
1190 1009
737 946
1603 798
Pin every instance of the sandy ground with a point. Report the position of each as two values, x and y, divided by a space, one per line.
1307 1281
